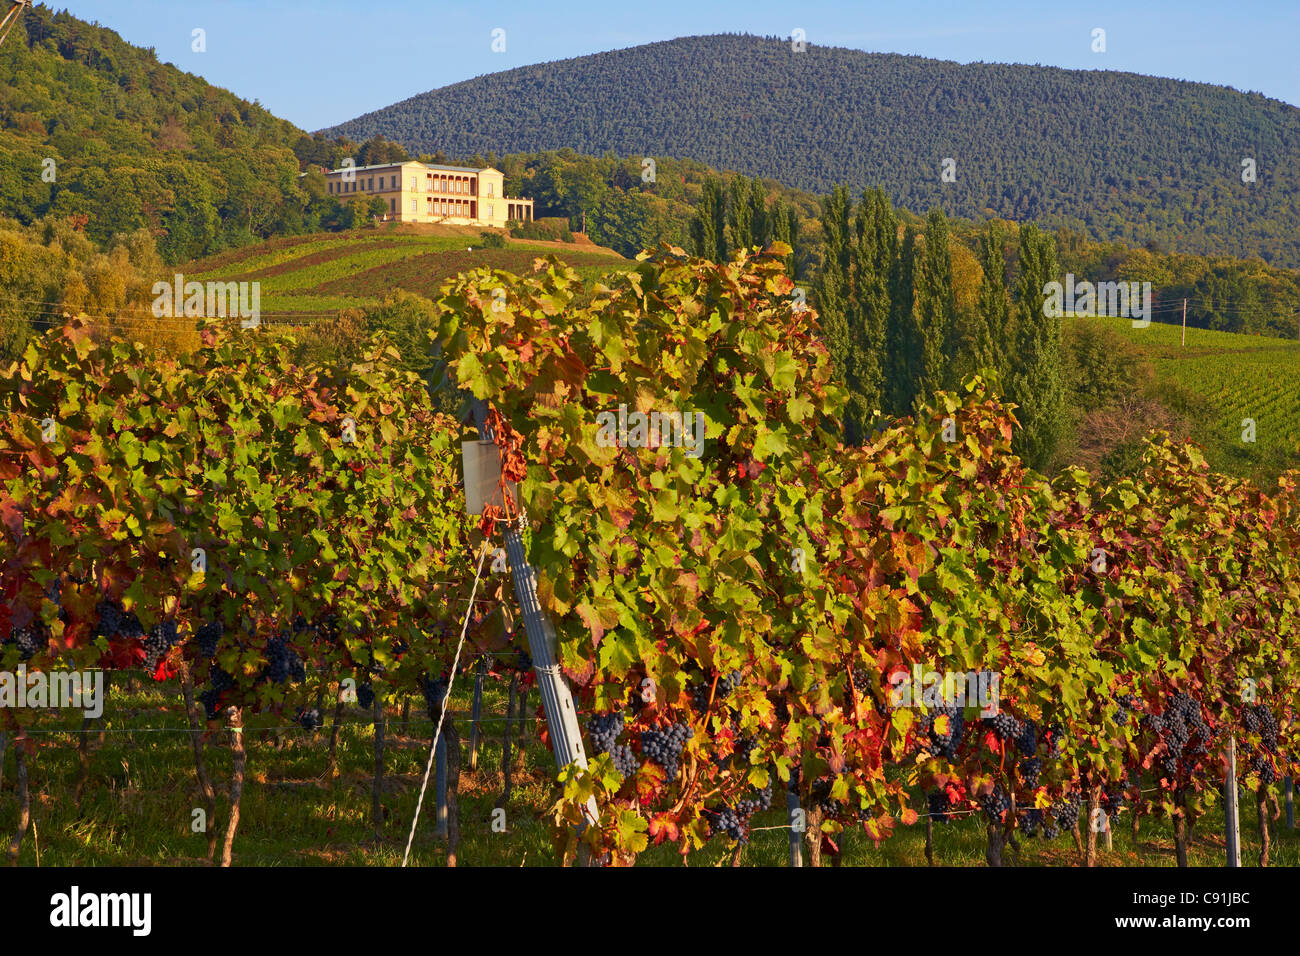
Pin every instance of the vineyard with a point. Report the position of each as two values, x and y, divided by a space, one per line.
303 277
285 551
1240 377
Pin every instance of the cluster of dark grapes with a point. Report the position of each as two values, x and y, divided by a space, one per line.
211 698
939 805
1183 729
751 805
745 746
207 637
1006 727
604 730
523 661
284 663
995 803
1027 739
819 795
945 744
1127 703
728 821
700 692
728 684
625 761
1112 800
1033 820
1030 768
30 641
665 746
1259 719
310 719
1262 764
115 622
162 638
365 695
735 822
1066 811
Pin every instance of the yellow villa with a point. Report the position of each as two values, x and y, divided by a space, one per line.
421 192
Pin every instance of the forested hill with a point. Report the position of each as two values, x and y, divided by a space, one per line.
136 143
1117 155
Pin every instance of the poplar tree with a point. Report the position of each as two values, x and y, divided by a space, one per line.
740 214
872 258
1034 380
934 311
902 345
783 226
709 226
831 288
759 224
990 334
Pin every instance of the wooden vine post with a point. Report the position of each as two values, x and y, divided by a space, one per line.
440 787
1232 823
476 712
506 740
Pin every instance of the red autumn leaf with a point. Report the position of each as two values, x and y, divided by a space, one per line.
664 827
649 779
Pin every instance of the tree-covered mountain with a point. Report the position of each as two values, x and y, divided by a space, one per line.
95 129
1118 156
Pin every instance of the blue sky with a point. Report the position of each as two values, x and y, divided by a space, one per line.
320 62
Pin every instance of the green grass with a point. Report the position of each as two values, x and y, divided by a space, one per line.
140 794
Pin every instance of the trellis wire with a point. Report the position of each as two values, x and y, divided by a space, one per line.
446 699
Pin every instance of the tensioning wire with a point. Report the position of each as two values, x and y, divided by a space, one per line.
446 697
